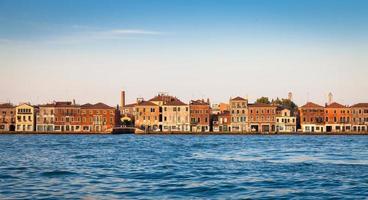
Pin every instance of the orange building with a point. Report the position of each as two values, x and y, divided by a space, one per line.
262 117
337 118
359 117
147 115
97 118
312 117
199 115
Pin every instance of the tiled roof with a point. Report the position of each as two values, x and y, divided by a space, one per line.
6 105
176 102
261 105
164 98
198 102
146 103
335 105
238 99
130 105
65 104
360 105
47 105
311 105
96 106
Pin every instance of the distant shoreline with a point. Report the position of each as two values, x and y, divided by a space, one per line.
172 133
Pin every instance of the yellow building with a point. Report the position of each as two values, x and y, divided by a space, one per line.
25 118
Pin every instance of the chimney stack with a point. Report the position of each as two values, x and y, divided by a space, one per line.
122 99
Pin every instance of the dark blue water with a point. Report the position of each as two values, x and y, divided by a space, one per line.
184 167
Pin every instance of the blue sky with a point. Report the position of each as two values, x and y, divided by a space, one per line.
89 50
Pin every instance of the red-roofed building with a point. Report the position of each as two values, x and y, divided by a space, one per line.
67 117
262 117
175 115
97 118
200 115
312 117
337 118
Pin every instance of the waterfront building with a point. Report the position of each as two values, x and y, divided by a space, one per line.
147 116
285 121
312 117
337 118
127 111
222 122
45 118
239 113
262 117
219 108
359 117
127 114
97 118
199 115
175 115
7 117
67 117
25 118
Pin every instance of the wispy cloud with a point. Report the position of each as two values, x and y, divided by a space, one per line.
133 32
89 35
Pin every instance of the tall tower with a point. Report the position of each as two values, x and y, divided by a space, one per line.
290 96
122 99
330 98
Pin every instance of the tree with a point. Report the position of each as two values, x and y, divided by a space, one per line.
285 103
263 100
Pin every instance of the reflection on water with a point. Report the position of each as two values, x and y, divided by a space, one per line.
141 167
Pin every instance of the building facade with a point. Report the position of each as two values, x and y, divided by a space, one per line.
337 118
175 116
262 117
222 122
147 116
359 117
25 118
199 116
312 117
67 117
239 112
45 118
7 117
97 118
285 121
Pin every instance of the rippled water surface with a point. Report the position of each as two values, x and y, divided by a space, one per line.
182 166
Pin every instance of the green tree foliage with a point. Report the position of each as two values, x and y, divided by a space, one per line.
263 100
285 103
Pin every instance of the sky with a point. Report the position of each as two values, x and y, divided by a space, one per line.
193 49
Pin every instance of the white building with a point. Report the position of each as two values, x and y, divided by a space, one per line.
285 122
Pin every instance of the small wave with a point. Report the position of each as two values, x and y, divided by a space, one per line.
84 156
57 173
15 168
4 176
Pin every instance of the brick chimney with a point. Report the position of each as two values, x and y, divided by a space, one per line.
122 99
